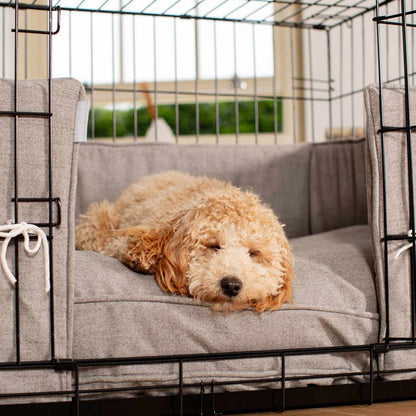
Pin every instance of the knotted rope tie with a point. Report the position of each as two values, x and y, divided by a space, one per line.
10 231
404 248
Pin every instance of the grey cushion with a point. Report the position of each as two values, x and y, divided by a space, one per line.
280 174
120 313
33 182
312 188
397 210
337 185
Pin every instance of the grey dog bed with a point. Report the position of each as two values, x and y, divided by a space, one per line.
120 313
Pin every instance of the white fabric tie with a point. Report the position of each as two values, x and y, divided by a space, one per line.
404 248
10 231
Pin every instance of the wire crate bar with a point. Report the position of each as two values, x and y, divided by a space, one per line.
333 20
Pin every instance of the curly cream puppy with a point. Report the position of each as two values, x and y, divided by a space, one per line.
199 236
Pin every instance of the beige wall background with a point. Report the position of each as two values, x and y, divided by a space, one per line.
32 48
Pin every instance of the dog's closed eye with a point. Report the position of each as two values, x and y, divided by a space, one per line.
254 253
214 247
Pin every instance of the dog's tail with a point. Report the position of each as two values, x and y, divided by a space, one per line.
94 232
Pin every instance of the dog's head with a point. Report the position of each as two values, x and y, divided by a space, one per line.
228 250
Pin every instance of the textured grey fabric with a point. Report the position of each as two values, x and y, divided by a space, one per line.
280 174
337 185
33 182
312 188
397 210
118 312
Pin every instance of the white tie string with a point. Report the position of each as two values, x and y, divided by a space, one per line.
10 231
404 248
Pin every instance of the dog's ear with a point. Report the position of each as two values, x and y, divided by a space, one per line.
173 265
273 303
160 252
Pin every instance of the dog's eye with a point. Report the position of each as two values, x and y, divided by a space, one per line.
254 253
214 247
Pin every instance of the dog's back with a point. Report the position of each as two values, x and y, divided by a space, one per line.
155 199
160 197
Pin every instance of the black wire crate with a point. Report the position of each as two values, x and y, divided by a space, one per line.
215 72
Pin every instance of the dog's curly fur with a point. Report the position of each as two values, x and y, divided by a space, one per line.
192 232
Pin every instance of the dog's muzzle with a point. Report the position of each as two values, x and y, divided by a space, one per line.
231 286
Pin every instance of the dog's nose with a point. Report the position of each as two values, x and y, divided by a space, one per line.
231 285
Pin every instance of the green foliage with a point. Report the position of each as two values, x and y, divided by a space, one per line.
187 113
